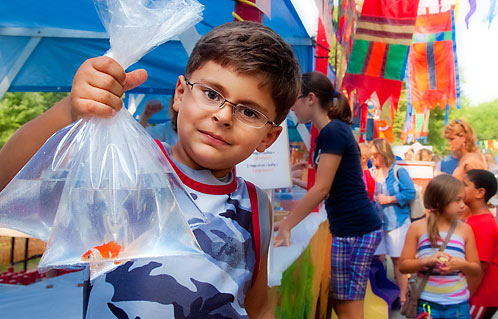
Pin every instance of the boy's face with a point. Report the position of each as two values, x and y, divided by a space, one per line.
215 139
471 192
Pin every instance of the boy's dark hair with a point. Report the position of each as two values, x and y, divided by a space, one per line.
250 48
333 102
483 179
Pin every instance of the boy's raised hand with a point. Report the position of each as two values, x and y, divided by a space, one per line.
98 87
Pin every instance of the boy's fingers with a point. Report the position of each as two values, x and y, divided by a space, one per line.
102 73
102 96
108 83
134 79
95 101
109 66
94 108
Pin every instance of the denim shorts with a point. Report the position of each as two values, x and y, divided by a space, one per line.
459 310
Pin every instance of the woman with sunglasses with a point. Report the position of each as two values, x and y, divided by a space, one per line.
465 154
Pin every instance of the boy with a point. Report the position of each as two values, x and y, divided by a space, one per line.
480 186
239 84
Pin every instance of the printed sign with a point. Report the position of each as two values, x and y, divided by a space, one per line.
269 169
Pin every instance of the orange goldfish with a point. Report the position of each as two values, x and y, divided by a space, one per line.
106 251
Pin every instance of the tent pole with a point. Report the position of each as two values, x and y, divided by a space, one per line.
14 70
248 12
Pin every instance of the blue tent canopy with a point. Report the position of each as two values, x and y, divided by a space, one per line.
43 42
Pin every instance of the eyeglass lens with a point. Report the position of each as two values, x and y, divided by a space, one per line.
211 98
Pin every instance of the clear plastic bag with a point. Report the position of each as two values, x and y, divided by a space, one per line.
100 191
136 26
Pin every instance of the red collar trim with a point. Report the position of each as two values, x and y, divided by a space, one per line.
197 186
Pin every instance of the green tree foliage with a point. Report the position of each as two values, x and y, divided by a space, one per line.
19 108
483 119
435 134
399 119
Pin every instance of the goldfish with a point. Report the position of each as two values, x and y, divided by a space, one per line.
108 250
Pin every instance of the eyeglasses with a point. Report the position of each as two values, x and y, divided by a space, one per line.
213 100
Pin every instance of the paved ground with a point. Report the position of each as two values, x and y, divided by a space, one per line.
395 314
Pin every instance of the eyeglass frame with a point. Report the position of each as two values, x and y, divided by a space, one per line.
235 105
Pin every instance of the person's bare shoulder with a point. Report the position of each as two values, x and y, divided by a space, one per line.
419 227
419 224
464 229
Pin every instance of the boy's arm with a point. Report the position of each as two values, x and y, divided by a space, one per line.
256 302
97 88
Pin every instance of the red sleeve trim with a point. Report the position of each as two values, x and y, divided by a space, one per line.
197 186
253 196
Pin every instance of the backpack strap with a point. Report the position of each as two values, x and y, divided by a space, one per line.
396 170
256 236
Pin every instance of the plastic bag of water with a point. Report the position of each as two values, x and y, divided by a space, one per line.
100 191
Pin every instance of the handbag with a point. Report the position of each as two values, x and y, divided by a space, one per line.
409 308
417 209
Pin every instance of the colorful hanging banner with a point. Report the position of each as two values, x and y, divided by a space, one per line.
325 12
346 24
381 42
432 63
385 121
435 6
416 126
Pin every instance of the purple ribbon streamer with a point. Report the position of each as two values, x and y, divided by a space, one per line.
471 11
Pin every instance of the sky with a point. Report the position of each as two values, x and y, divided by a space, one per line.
477 53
